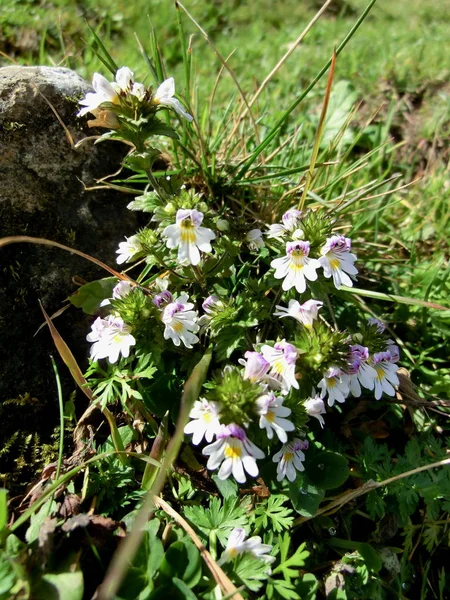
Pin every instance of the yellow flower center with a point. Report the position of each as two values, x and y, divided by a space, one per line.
207 417
187 232
380 372
178 327
335 263
233 452
297 263
332 382
278 367
288 456
270 416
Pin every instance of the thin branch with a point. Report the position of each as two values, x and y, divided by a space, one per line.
219 576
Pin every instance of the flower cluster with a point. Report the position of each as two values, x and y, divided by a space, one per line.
190 247
233 452
376 373
297 265
108 95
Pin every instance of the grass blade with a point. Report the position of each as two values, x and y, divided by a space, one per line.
247 164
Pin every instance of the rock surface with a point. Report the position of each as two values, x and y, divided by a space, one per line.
42 194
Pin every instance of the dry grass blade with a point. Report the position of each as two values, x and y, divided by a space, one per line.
281 62
220 577
320 128
68 357
60 121
20 239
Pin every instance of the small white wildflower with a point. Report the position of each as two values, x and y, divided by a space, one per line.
290 459
111 337
296 266
272 415
335 384
180 321
305 313
386 369
237 544
164 95
121 290
359 372
315 407
233 452
282 358
188 236
128 250
256 366
106 91
289 225
205 421
337 260
254 239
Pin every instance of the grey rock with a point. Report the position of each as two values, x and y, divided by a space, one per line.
43 181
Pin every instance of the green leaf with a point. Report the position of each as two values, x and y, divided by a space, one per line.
160 128
184 589
89 296
367 552
273 515
182 560
306 499
142 161
228 488
62 586
38 519
307 586
148 202
251 571
327 470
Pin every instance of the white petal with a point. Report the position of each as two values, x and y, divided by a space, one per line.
166 90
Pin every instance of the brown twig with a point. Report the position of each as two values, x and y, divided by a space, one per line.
220 577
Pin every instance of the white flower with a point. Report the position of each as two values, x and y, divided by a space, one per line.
305 313
205 421
272 416
290 222
121 290
254 239
315 407
164 95
386 370
295 267
234 452
237 544
128 250
290 459
256 366
180 321
335 384
359 372
188 236
111 336
138 90
106 91
337 260
282 358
